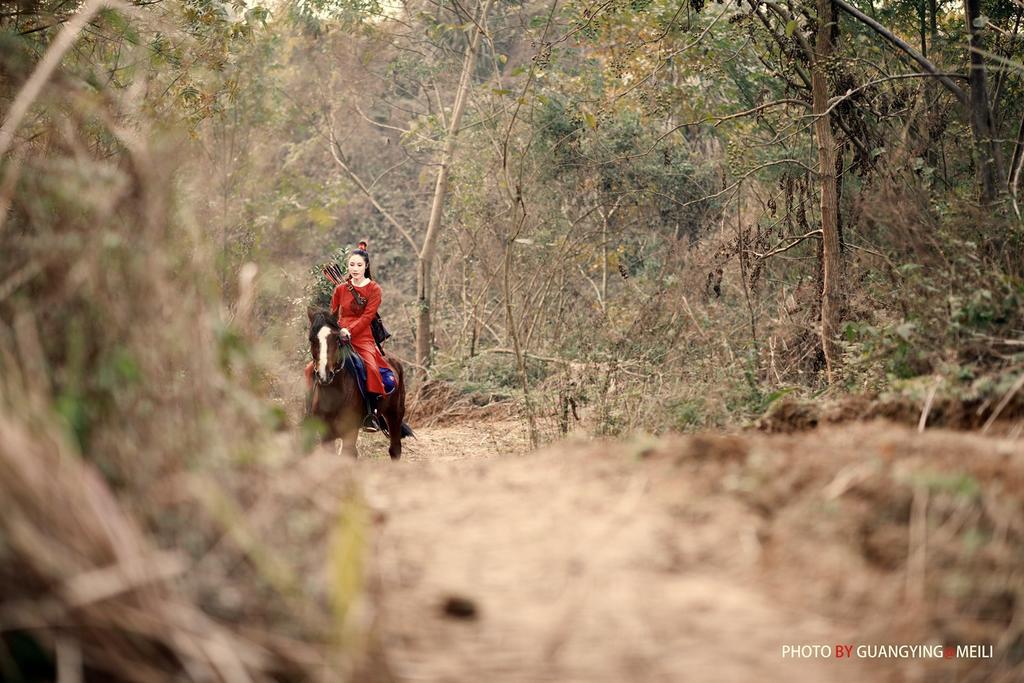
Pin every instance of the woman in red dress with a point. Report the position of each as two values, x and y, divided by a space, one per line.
355 302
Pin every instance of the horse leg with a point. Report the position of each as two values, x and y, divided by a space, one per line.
348 430
348 442
391 416
392 409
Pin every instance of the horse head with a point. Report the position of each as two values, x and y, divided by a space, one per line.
324 344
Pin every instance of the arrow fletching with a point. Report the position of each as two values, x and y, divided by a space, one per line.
333 273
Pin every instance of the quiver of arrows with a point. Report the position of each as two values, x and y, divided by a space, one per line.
333 272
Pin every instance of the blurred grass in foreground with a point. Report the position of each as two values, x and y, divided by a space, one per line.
142 535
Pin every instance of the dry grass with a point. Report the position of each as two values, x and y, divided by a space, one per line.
89 585
994 406
153 527
438 402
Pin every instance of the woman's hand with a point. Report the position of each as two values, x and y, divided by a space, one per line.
345 334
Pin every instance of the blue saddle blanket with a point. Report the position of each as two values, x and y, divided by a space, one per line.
354 363
388 378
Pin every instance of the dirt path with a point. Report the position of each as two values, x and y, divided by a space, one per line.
573 564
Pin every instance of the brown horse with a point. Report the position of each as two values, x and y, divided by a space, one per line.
335 397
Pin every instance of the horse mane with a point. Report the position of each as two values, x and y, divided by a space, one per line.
320 319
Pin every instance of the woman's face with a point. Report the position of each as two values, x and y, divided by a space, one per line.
356 267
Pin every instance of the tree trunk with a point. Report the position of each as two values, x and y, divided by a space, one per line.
513 333
424 284
604 257
922 16
988 158
1016 168
830 257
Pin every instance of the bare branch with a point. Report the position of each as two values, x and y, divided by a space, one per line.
910 52
366 118
796 240
335 148
760 108
767 164
836 101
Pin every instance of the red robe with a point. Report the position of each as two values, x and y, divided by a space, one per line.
357 321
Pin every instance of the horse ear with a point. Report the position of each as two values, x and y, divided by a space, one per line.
310 313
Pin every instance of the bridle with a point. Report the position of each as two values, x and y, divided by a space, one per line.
331 372
333 368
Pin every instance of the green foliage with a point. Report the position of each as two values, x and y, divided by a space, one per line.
312 16
983 310
876 354
311 433
616 156
232 348
687 413
318 288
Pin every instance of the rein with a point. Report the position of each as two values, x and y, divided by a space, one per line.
332 369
